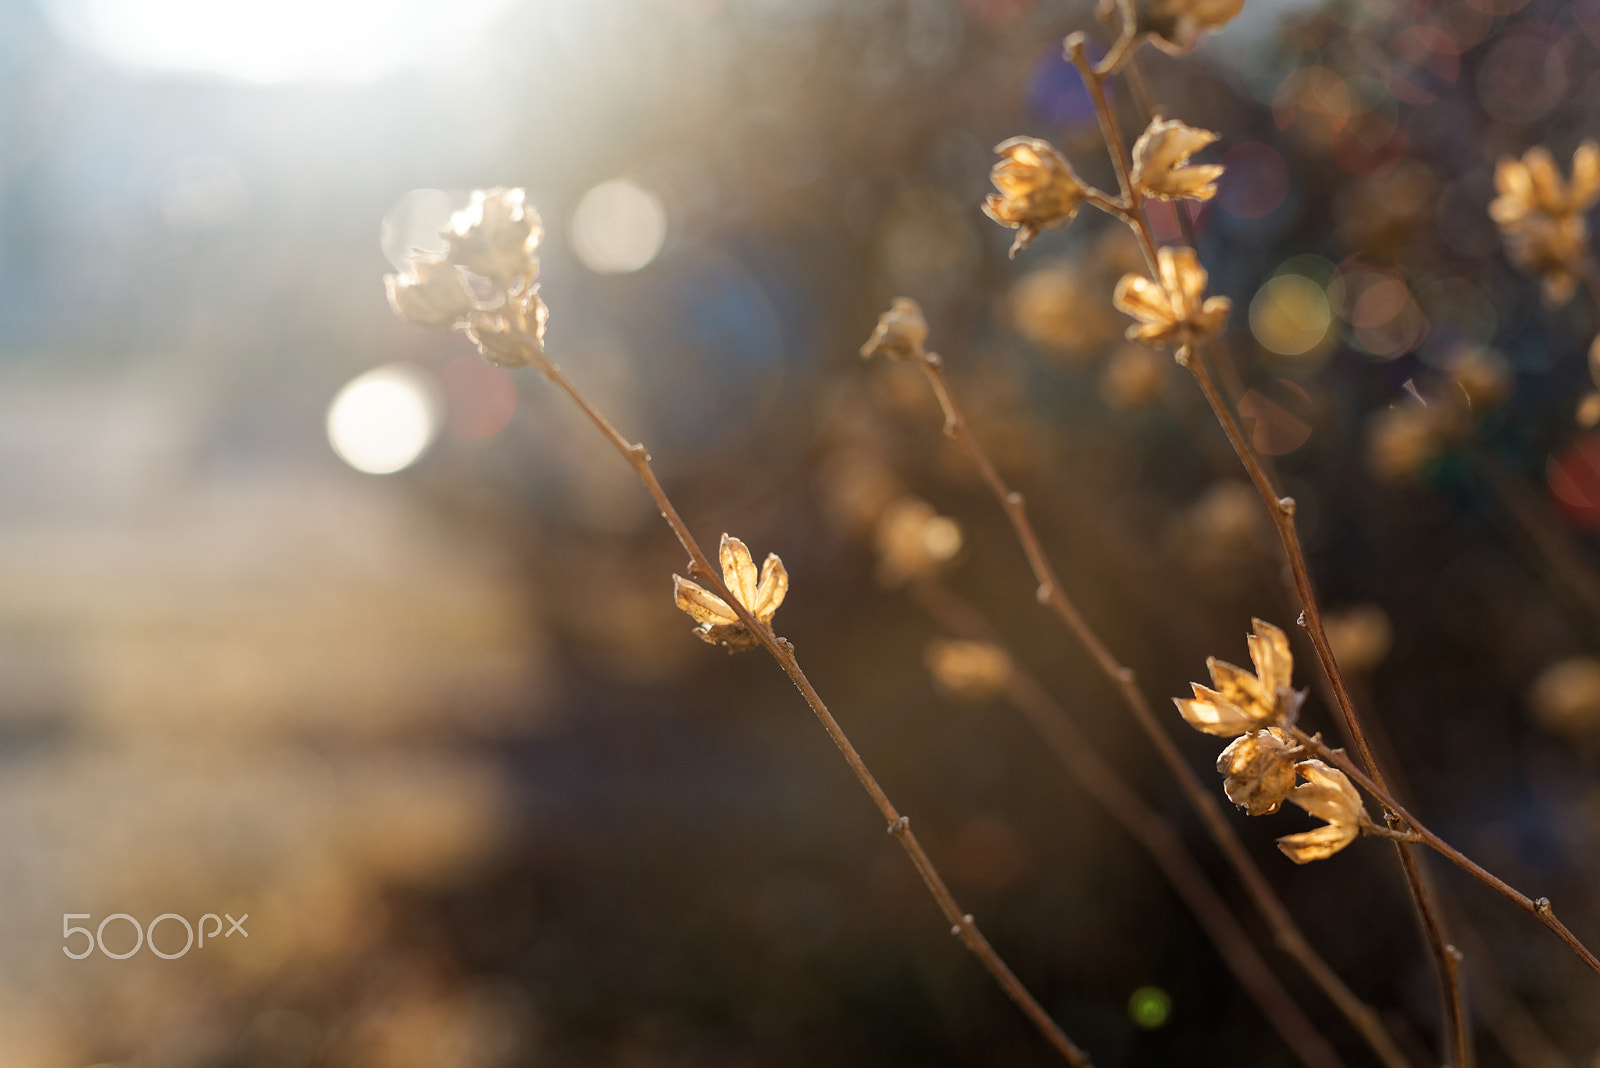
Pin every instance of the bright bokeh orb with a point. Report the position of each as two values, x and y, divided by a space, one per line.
382 421
268 41
618 227
1290 315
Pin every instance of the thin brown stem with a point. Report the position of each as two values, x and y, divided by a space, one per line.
1146 826
1538 907
1050 593
1446 957
961 923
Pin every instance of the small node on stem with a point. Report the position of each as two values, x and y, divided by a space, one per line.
1073 46
1542 906
1124 675
900 826
1286 505
933 359
1014 499
1301 619
1455 955
1044 593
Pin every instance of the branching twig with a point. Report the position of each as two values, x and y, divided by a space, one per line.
1445 956
1539 907
961 923
1050 594
1123 804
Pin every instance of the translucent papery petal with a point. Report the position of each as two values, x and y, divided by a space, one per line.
774 586
1511 179
1212 315
1508 210
1585 189
1269 652
1208 713
1187 278
702 605
1318 844
1548 189
738 571
1141 298
1239 687
1318 774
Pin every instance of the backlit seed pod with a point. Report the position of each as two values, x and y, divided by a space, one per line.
1161 162
900 334
1038 189
1259 770
496 236
429 292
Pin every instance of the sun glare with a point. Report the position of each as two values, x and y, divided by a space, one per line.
277 41
382 421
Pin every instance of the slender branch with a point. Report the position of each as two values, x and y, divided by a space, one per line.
1539 907
1050 594
1123 804
961 923
1446 957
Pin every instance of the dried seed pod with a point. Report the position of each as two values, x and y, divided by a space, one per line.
717 623
1160 159
1038 189
1260 770
973 671
1327 794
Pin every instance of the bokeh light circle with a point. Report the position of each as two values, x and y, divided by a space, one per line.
1290 315
382 421
618 227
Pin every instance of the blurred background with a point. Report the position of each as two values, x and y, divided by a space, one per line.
309 616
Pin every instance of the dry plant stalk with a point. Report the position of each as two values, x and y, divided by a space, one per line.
978 668
496 239
1541 216
901 334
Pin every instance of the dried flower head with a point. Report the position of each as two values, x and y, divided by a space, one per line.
1565 698
1176 309
900 334
497 236
913 541
1244 702
1541 215
1259 770
1134 378
1328 795
1533 185
1173 25
1483 376
718 624
1405 439
513 335
1588 414
972 671
1161 157
1360 636
429 292
1038 189
1057 307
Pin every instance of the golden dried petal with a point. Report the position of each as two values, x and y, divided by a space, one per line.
429 292
702 605
738 571
1184 278
1211 713
772 590
1143 299
1239 687
1336 796
1585 189
1549 191
1038 189
1159 157
1270 653
1318 844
